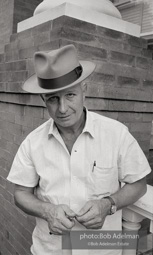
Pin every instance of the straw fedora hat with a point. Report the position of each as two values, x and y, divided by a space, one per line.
57 70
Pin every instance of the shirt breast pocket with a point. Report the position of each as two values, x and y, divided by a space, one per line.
101 181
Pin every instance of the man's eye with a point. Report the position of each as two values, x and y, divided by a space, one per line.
52 99
70 95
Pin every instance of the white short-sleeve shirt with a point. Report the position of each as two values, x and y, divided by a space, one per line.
104 155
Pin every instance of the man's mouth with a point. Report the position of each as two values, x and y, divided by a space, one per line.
63 117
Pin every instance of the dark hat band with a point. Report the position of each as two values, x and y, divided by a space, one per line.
61 81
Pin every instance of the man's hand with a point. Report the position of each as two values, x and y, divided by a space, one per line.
59 218
93 214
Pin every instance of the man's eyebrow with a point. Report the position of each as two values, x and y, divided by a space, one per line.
50 95
71 91
56 94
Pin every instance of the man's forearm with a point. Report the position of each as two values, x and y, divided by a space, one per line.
58 217
129 193
30 204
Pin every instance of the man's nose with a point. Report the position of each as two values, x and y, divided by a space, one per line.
62 105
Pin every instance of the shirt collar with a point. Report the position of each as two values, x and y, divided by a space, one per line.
88 128
53 129
89 124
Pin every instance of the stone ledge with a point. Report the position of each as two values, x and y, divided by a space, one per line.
93 103
80 13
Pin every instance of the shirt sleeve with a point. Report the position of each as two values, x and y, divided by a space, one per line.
23 171
133 164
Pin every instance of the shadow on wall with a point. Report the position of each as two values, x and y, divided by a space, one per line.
150 177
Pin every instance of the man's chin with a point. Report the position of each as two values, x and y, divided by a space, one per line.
65 123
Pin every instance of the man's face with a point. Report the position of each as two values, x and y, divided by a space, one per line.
66 107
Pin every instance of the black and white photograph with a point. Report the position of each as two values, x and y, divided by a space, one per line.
76 127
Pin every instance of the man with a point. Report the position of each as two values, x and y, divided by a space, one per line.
68 171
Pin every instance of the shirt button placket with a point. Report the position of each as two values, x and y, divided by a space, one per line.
77 187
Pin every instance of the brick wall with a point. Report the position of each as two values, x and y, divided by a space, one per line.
12 12
6 21
23 10
120 88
